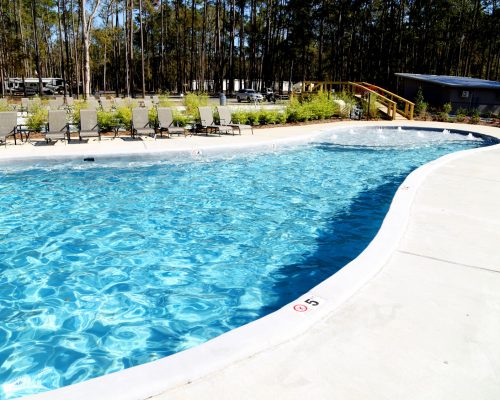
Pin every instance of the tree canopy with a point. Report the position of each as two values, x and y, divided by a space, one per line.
166 45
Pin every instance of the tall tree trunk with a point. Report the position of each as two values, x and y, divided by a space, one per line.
241 39
178 48
61 52
142 51
192 62
162 44
131 47
68 65
127 50
203 47
86 29
116 51
37 51
231 46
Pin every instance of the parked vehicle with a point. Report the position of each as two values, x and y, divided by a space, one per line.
270 95
249 95
30 86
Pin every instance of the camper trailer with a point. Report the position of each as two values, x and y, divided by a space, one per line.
50 86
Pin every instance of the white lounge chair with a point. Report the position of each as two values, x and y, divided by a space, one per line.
89 126
227 119
207 122
140 123
58 127
8 126
166 122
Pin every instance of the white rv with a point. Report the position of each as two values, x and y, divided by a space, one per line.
49 86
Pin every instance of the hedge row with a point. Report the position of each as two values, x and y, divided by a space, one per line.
318 107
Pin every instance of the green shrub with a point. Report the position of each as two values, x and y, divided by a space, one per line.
460 117
5 106
181 119
153 116
349 100
124 116
192 101
461 111
267 117
37 120
421 105
106 120
475 117
324 106
216 117
74 116
281 118
298 111
240 117
442 117
320 106
253 117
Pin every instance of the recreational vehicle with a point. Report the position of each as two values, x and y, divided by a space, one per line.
49 86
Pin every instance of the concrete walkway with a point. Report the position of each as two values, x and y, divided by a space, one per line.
415 316
38 149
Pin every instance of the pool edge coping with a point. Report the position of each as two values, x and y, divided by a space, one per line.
149 380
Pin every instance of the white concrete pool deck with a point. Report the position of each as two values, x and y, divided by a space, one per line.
415 316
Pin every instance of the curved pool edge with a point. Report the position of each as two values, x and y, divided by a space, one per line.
115 148
155 378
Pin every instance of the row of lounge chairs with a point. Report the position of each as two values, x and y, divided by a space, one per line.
60 102
107 104
58 128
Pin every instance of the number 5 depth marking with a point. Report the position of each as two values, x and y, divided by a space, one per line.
311 302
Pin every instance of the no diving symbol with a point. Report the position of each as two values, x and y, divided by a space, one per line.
300 308
308 304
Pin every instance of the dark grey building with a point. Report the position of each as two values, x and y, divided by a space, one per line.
461 92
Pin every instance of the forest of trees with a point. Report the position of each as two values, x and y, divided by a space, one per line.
141 46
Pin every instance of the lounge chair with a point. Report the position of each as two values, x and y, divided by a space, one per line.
227 119
33 104
146 103
24 104
118 102
207 122
58 127
92 103
155 100
8 125
56 104
105 104
140 123
88 124
166 122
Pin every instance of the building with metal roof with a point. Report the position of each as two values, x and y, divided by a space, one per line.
462 92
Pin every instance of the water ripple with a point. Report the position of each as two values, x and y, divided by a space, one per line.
108 265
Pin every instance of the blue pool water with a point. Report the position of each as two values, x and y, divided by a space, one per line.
111 264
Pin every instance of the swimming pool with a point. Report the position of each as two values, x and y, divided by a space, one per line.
113 264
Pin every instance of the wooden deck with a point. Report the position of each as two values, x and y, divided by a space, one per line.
385 101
